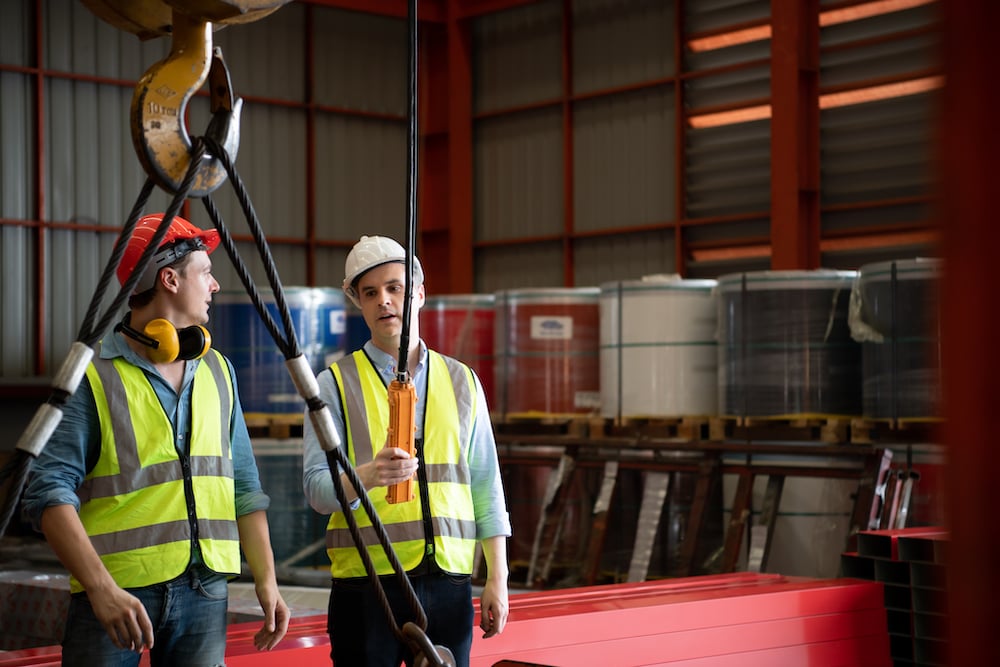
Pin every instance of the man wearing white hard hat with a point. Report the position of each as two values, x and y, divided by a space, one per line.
148 490
459 495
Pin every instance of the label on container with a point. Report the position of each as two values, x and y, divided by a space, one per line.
551 327
338 322
284 398
587 399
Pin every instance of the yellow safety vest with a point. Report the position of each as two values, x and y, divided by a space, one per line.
133 504
450 413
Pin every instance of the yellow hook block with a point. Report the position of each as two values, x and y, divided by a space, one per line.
159 103
151 18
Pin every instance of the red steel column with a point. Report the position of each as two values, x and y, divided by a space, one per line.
41 288
794 134
969 147
567 141
460 163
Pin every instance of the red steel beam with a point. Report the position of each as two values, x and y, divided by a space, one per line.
737 619
795 134
427 10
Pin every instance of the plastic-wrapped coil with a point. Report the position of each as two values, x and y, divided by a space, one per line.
658 348
785 347
895 316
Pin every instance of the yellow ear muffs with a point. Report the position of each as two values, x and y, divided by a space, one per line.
167 343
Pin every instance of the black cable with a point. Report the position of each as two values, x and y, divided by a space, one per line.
337 460
288 343
411 189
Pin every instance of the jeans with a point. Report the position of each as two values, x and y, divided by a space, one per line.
361 636
189 625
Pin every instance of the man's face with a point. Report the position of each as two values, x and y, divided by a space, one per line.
196 285
380 292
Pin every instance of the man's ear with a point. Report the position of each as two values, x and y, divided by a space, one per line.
169 278
419 296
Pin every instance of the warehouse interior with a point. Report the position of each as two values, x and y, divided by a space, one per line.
722 267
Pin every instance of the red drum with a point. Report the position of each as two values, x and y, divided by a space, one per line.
461 326
547 351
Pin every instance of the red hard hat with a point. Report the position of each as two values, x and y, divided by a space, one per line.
180 229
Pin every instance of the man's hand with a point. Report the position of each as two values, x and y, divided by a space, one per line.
120 613
494 607
276 617
391 465
123 617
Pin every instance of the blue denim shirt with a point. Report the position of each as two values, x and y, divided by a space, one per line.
488 499
75 445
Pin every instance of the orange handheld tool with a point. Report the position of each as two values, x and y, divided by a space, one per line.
402 428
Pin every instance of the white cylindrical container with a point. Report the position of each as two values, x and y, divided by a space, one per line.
658 348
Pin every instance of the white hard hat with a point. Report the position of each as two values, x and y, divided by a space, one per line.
372 251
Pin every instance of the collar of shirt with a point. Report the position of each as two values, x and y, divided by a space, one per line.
115 345
386 363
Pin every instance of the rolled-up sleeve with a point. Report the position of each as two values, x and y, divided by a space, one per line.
250 497
316 480
63 463
492 518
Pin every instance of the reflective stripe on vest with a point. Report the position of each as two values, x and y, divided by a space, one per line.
450 413
139 467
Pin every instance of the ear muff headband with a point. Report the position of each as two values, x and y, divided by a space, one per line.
168 343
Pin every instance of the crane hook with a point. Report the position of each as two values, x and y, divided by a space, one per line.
159 103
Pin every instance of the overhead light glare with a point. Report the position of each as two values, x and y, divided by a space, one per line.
827 18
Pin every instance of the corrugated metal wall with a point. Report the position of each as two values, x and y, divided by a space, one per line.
879 151
586 165
621 171
91 175
518 146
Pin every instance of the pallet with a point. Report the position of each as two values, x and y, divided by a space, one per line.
545 424
278 426
831 430
886 431
685 429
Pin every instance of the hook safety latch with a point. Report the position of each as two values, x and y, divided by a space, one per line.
159 106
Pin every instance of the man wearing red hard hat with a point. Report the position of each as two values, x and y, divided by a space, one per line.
148 488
